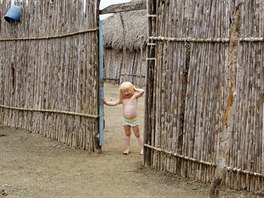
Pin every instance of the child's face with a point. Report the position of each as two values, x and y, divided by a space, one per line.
126 93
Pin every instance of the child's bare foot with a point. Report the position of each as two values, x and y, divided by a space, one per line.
141 152
126 152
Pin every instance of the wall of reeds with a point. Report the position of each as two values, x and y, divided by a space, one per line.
49 70
130 67
189 94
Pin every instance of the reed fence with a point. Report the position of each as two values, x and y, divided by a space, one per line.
49 64
188 93
120 68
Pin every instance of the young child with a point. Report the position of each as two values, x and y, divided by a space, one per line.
128 95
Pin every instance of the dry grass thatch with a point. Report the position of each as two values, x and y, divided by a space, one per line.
135 24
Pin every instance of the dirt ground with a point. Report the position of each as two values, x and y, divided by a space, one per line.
37 167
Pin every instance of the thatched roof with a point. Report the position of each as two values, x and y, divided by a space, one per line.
135 23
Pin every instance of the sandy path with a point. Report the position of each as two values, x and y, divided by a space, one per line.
34 166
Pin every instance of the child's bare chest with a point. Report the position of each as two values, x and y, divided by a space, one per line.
130 102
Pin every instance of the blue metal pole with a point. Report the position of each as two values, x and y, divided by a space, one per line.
101 82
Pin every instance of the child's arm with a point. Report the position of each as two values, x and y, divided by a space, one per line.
139 92
114 103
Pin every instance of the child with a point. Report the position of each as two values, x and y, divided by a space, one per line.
128 95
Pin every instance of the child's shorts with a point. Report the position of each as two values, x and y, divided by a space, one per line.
131 122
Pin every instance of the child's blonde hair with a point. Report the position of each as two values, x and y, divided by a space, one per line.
126 85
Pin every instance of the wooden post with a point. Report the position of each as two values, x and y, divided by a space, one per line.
139 82
101 85
149 100
224 137
124 50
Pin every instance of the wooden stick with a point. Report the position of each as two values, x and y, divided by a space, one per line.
50 111
225 135
50 37
207 40
227 168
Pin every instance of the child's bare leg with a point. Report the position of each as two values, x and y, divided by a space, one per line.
139 138
127 139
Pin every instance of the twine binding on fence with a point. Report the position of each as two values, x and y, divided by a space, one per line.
50 37
231 169
50 111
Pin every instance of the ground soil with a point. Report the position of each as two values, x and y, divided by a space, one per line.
34 166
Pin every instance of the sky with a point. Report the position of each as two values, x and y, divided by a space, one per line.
105 3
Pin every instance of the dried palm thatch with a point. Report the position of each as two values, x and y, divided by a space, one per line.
135 26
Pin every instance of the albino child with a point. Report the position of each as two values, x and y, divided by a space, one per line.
128 95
